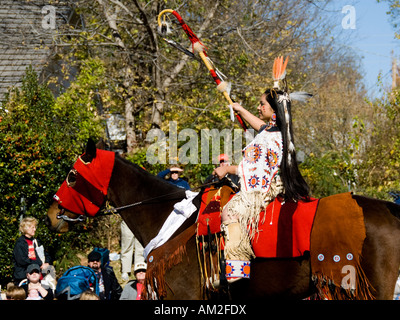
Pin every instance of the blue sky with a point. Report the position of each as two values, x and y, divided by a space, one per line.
372 38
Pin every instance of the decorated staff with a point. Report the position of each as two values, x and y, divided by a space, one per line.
199 48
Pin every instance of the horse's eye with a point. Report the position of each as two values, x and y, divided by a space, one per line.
71 178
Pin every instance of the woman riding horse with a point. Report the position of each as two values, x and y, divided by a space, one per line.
268 169
99 175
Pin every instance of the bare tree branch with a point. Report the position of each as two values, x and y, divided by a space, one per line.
112 22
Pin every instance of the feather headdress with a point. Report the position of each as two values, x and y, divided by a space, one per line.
279 74
279 70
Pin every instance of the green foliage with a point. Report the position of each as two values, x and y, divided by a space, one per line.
77 106
380 170
139 158
329 174
69 259
36 151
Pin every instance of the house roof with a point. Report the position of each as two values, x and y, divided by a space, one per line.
27 31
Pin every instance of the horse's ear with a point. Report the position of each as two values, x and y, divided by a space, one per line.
90 152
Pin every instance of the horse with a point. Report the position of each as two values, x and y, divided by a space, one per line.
146 201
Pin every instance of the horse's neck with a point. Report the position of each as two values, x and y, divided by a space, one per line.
130 185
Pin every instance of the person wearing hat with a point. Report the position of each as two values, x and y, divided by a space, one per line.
174 178
133 289
109 288
223 159
34 283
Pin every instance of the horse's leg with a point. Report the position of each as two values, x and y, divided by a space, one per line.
276 279
381 252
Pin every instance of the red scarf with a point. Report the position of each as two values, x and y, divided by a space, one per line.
31 249
139 289
87 195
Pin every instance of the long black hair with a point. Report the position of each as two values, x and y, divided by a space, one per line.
296 188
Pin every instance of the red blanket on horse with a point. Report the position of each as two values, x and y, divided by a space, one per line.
212 200
284 229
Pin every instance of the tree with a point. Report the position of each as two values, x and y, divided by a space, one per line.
149 82
37 148
328 118
394 11
379 171
78 107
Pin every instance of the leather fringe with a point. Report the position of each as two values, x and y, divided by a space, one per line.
155 285
328 290
210 253
162 259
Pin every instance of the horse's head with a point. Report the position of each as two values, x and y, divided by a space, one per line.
84 190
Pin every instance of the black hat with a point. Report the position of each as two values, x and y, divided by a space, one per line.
32 267
94 256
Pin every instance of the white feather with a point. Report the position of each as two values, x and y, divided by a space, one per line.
283 75
231 113
291 146
301 96
285 98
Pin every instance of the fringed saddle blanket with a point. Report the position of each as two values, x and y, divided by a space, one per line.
337 239
210 241
284 229
162 259
287 236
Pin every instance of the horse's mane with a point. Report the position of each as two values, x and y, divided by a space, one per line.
161 184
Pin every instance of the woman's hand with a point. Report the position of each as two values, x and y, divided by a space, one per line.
250 118
38 286
220 172
237 107
224 170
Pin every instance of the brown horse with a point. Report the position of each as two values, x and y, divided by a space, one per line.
148 201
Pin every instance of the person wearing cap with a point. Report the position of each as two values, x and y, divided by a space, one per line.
223 159
34 283
133 289
174 177
26 251
109 288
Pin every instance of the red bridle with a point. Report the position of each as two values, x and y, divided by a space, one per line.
85 189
